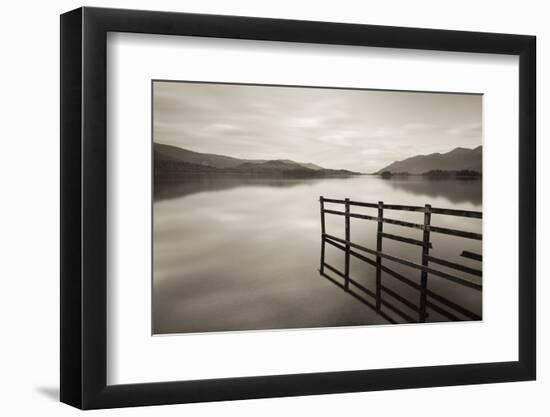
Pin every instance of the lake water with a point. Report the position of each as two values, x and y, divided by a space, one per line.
244 254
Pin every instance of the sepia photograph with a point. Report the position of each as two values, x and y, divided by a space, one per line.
255 207
296 207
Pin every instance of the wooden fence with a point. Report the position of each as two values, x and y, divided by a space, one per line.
452 310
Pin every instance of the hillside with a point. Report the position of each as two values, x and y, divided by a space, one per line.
459 159
172 162
274 164
212 160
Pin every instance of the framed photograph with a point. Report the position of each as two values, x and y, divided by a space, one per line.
258 208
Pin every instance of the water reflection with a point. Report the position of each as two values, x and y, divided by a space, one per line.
388 304
453 190
170 188
243 254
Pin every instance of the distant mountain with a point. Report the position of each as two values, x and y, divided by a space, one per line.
274 164
213 160
459 159
171 162
308 165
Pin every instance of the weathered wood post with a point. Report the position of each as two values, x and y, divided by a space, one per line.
379 231
323 231
348 239
425 254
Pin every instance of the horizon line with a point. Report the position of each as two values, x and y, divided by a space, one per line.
281 159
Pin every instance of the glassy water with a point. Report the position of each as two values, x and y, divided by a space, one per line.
244 254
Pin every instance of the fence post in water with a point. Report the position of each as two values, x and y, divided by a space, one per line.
379 258
425 254
323 231
348 239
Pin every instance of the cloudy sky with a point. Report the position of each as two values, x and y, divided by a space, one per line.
360 130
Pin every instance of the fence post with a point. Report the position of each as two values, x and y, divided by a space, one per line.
379 258
323 231
348 238
425 253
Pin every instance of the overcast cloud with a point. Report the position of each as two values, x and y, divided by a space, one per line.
359 130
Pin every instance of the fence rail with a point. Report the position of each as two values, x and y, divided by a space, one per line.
422 209
450 309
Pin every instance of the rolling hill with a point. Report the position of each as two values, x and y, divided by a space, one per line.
459 159
213 160
171 161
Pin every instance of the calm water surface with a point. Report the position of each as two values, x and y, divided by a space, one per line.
243 254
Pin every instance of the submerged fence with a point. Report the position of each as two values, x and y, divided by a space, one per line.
376 298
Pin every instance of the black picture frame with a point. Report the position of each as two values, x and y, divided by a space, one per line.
84 207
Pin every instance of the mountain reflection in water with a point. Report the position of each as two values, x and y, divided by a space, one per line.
455 191
243 253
